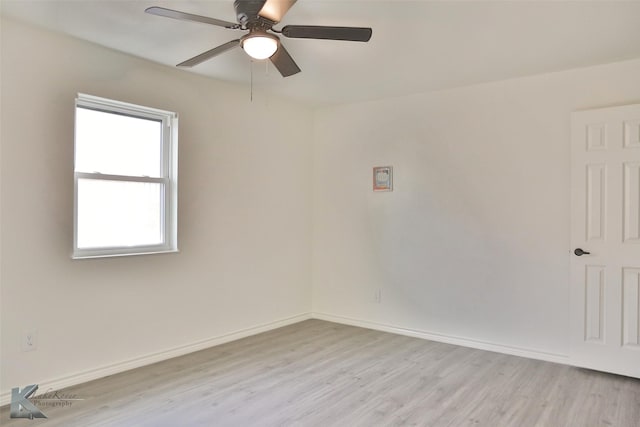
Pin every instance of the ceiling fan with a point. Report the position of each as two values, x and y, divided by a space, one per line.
258 17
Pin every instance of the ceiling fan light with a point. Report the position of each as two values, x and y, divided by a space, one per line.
260 46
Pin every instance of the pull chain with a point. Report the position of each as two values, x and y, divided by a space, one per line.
251 80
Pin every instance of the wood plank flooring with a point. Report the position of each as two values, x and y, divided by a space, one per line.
317 373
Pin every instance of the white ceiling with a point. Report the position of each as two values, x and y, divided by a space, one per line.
417 46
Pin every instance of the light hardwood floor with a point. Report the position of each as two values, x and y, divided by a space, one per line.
318 373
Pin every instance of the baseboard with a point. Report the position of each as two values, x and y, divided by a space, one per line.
464 342
116 368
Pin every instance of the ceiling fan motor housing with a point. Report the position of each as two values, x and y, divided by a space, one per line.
247 10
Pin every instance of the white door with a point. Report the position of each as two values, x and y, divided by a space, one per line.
605 223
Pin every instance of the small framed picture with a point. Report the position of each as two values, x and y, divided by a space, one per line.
383 178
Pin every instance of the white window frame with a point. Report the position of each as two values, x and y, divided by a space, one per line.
169 177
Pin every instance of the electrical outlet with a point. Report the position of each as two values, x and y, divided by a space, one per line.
30 340
378 295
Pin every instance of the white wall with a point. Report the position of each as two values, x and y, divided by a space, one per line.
473 242
244 214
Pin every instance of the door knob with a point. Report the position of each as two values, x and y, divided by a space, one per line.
580 252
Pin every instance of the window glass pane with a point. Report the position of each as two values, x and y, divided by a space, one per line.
116 144
117 213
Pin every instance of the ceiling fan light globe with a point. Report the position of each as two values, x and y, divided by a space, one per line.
260 46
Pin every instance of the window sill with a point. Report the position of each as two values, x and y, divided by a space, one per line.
93 256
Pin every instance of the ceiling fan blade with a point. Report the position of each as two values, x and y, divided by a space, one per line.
355 34
169 13
274 10
284 62
209 54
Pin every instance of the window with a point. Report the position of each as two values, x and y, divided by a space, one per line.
125 179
